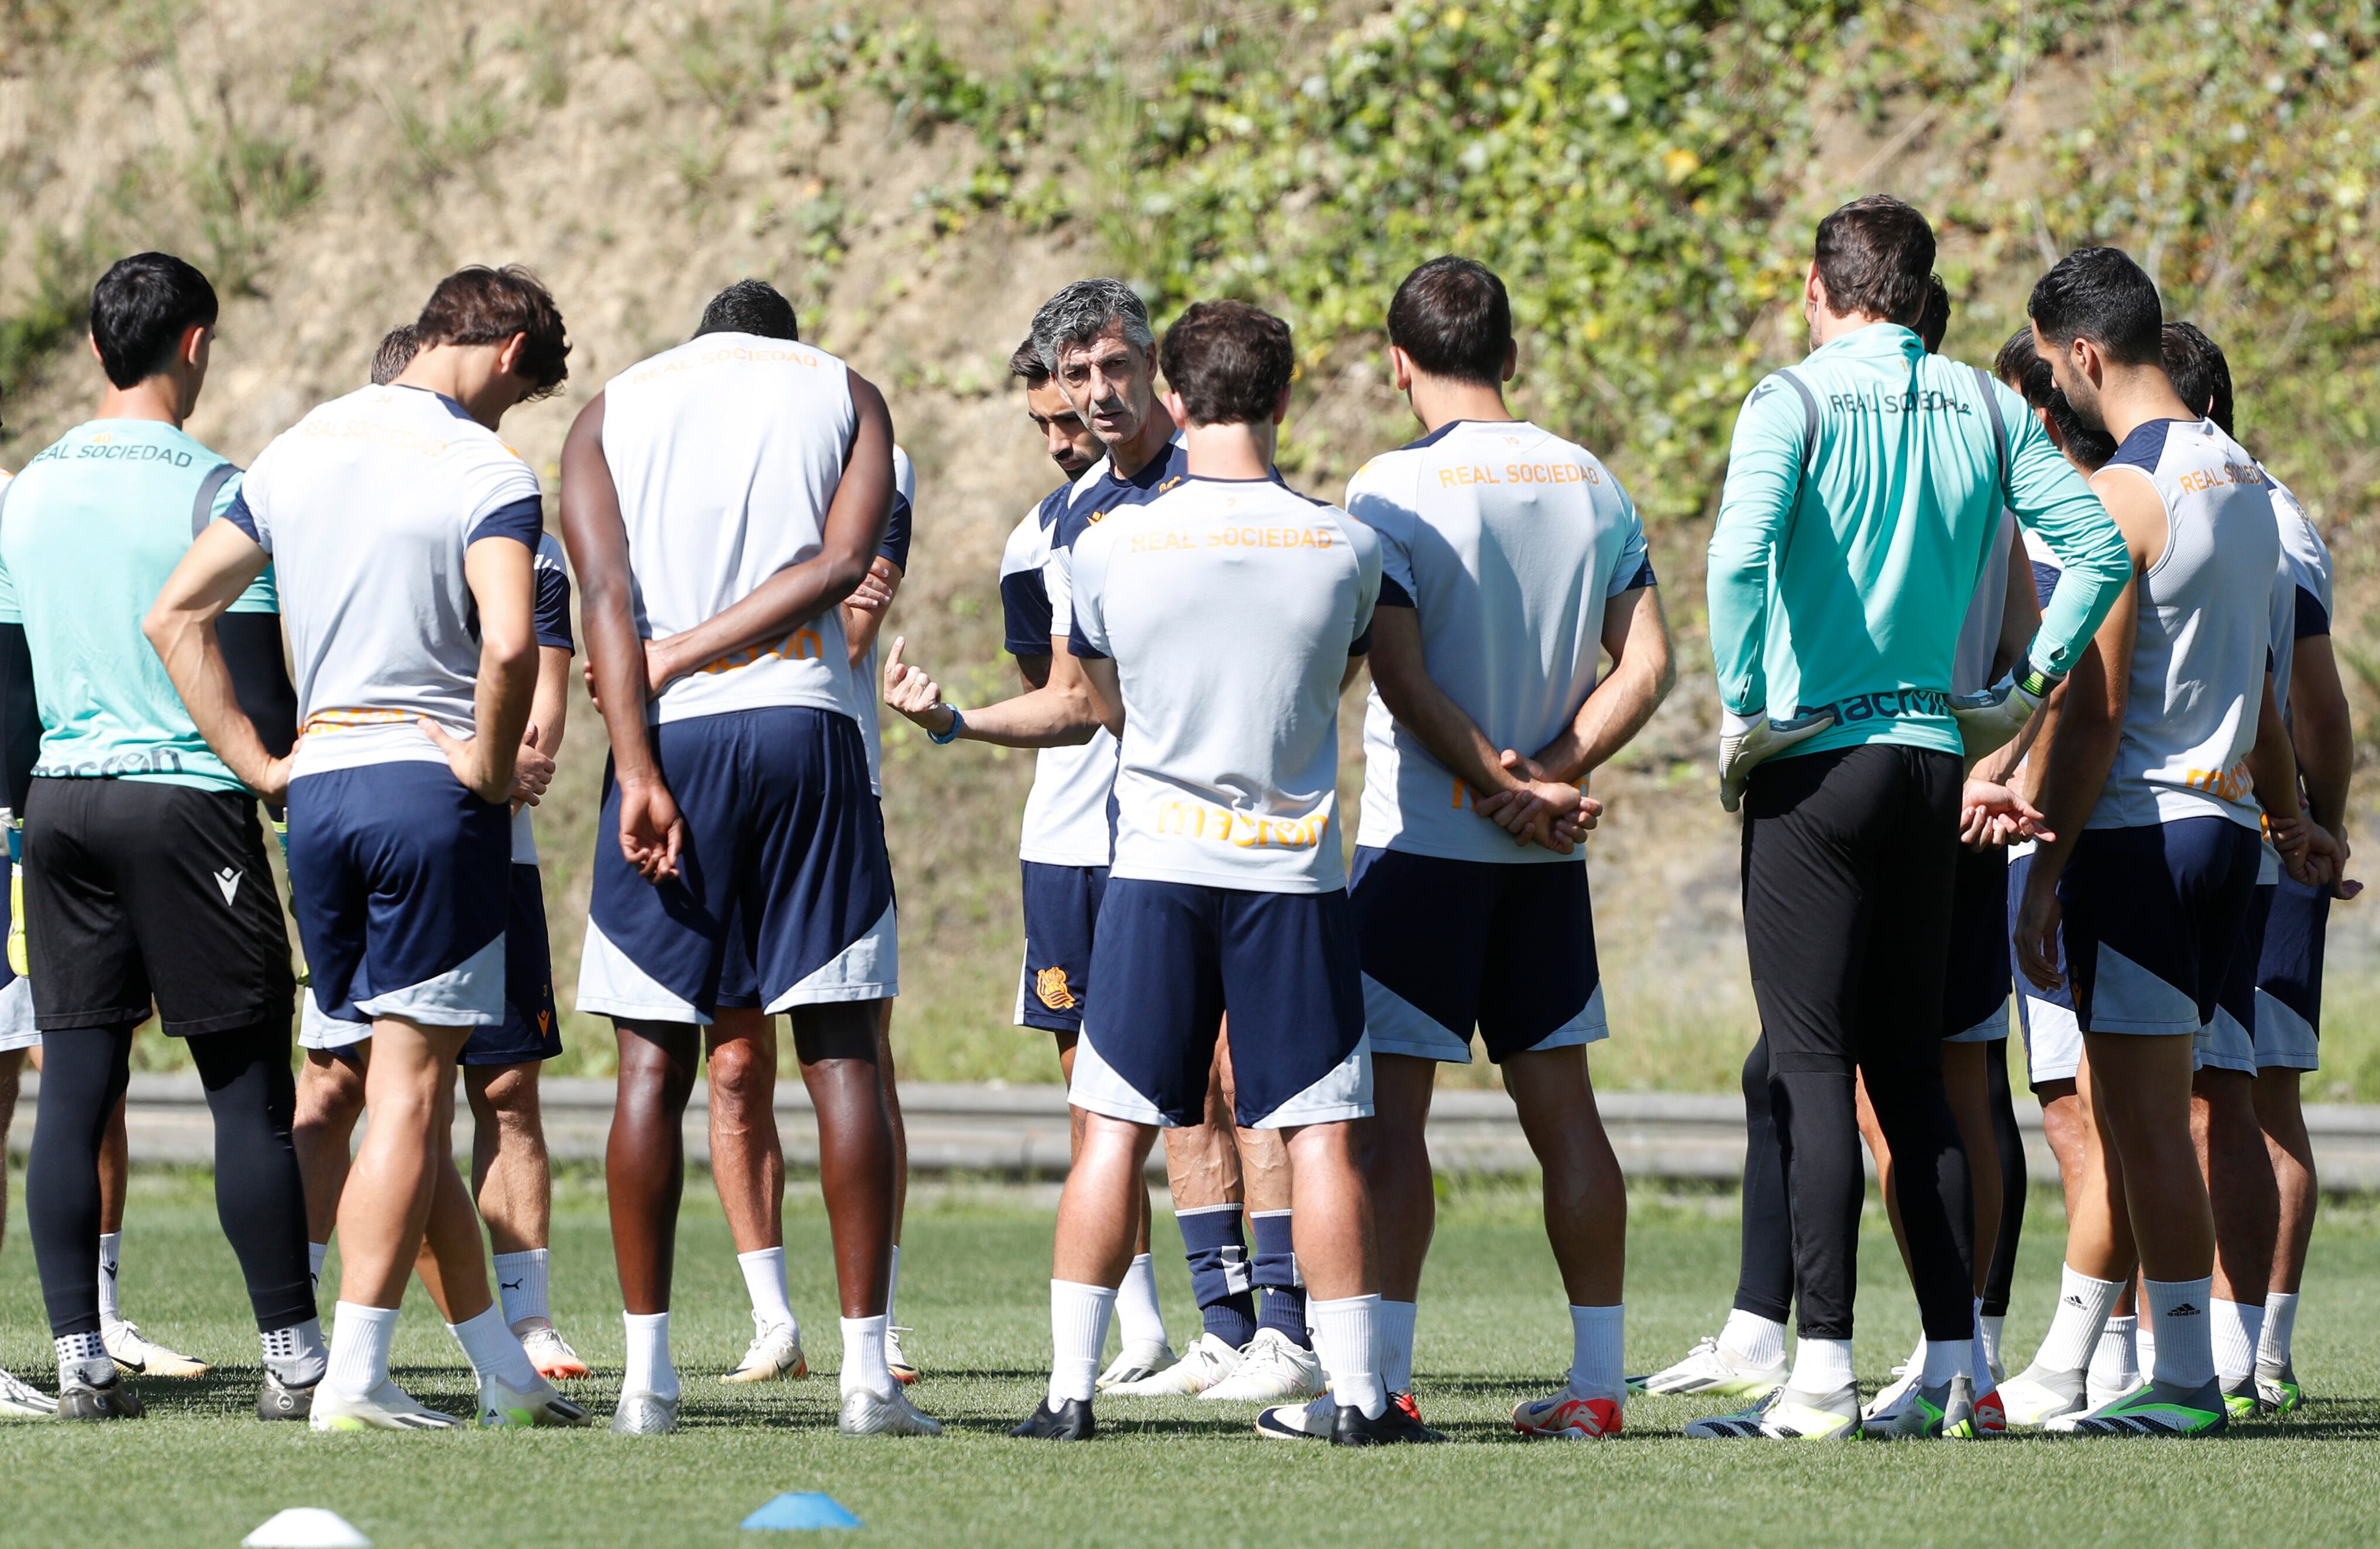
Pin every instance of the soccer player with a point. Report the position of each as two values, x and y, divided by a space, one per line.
2149 880
1473 910
720 501
1846 554
20 728
146 884
1094 338
2001 621
512 1178
2250 1181
404 535
1216 627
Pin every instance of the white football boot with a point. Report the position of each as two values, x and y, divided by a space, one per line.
1273 1369
1201 1367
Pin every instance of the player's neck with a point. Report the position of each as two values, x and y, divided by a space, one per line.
159 398
1440 400
461 374
1155 433
1826 327
2132 396
1241 451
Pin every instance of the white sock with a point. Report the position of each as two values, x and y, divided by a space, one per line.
1989 1330
2084 1304
360 1340
494 1350
1395 1322
295 1354
83 1357
110 1259
1597 1367
520 1282
1979 1358
649 1368
1138 1321
2115 1360
1347 1338
2237 1327
1821 1366
892 1284
863 1366
2281 1322
2145 1348
1750 1339
1078 1332
2185 1346
315 1254
764 1282
1944 1358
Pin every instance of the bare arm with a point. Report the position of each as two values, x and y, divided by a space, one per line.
1057 712
863 611
1636 634
502 575
2322 729
548 708
1426 711
651 829
798 593
1104 690
181 629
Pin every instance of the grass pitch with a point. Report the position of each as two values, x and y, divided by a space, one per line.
200 1471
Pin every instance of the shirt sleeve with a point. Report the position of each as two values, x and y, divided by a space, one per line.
1087 628
1025 611
2311 618
1634 566
1392 521
1371 578
2094 563
243 514
1058 585
513 503
895 547
553 597
1763 482
261 596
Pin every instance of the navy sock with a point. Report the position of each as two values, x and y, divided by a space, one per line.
1219 1272
1275 1273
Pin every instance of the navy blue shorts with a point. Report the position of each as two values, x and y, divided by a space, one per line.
2053 1041
401 880
2289 978
2227 1042
783 882
1976 989
1061 913
530 1030
2153 917
1450 945
1174 958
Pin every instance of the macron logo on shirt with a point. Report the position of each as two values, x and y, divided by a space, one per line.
227 883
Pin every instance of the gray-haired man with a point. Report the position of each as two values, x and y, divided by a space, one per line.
1095 339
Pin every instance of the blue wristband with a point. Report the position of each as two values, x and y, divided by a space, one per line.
943 739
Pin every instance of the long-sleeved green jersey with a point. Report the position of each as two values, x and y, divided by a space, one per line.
1862 489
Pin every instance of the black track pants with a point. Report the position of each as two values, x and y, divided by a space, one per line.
2014 1184
1848 859
258 1194
1763 1285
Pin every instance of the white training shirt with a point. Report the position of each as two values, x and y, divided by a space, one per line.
1979 637
1066 811
1231 607
2306 558
726 451
367 505
1508 541
2210 609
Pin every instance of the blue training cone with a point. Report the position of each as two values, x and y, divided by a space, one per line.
800 1509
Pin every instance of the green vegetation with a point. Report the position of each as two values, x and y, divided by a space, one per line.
974 1286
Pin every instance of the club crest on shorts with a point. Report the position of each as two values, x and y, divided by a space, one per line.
1050 986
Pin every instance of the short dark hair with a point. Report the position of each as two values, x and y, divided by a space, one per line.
483 305
2200 376
2020 364
753 307
140 310
1230 362
1933 320
398 349
1025 363
2101 295
1874 255
1453 318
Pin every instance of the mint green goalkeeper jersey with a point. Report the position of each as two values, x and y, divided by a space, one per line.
1863 489
89 531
